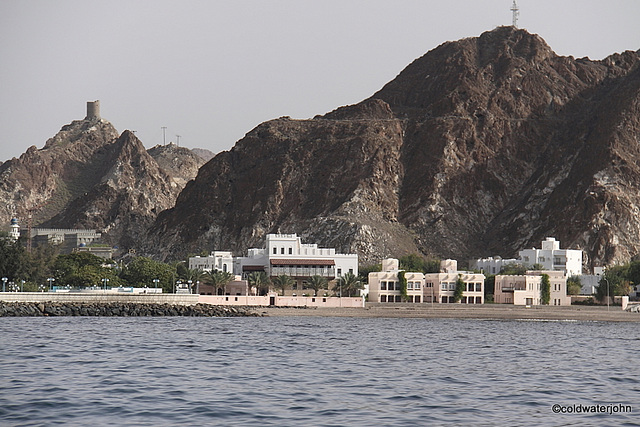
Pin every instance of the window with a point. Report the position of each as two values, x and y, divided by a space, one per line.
398 298
478 300
445 300
452 286
383 286
282 251
410 285
417 299
290 251
444 286
383 298
397 287
275 251
339 272
478 287
464 300
470 287
351 270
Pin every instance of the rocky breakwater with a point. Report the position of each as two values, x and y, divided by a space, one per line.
33 309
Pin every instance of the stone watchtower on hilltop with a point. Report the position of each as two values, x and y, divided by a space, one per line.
93 110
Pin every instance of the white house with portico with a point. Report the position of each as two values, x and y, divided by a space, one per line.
282 254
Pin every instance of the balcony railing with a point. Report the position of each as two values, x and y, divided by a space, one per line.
303 272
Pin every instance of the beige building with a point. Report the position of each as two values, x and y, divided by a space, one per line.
525 290
384 286
440 287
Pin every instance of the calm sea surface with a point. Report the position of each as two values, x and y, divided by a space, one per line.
314 371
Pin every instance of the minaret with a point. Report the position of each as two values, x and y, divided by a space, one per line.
14 233
516 12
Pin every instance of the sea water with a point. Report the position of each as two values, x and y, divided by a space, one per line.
316 371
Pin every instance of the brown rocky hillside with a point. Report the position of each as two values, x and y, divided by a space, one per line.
89 177
482 146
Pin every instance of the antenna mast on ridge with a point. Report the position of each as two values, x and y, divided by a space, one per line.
516 12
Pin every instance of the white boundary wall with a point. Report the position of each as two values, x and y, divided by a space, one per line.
102 297
183 299
283 301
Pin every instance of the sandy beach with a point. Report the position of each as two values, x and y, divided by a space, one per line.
451 311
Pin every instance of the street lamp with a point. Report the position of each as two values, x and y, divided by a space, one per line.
606 280
155 283
104 283
50 280
189 282
4 283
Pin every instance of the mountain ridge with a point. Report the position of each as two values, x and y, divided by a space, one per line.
469 151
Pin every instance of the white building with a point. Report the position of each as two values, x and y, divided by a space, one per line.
218 260
282 254
492 265
552 258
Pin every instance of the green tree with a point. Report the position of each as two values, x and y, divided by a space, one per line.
82 269
545 290
363 272
489 287
316 283
403 285
459 290
282 282
574 285
513 270
11 256
348 284
260 281
142 271
38 265
614 282
418 263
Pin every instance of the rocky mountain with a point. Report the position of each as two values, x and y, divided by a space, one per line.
88 176
182 162
482 146
204 154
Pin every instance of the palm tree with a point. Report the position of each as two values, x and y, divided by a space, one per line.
282 282
316 283
260 281
219 280
195 275
348 284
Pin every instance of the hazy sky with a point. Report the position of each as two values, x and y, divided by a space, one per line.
211 71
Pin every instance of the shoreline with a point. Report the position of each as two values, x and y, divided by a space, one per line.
456 311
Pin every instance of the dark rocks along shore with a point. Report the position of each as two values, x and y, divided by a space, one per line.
26 309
